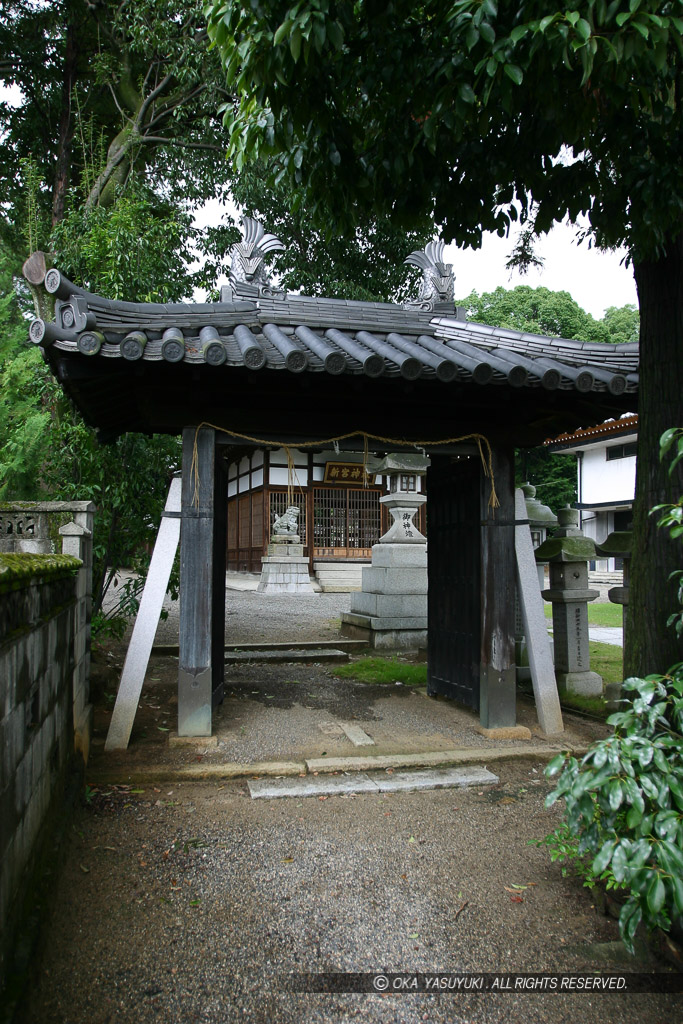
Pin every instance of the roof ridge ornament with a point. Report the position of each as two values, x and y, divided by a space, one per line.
248 274
437 289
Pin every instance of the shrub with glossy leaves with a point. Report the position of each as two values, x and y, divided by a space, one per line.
624 802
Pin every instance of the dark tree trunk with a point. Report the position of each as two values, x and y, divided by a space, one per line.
651 646
66 125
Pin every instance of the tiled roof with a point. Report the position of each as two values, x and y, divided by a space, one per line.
299 334
627 424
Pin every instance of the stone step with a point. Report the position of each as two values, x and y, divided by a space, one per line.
312 655
377 782
339 577
350 646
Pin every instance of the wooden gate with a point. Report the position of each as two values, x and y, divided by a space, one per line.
454 566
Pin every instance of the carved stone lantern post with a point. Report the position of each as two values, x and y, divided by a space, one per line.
391 610
568 554
618 545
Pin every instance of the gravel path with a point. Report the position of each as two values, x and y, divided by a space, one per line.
192 903
270 618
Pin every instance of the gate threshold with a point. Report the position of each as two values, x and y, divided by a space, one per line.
350 646
375 782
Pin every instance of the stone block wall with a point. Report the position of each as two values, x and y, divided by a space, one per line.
38 601
46 527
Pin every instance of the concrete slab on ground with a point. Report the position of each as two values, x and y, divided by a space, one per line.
289 656
332 785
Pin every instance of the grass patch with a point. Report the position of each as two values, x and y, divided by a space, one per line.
602 614
608 661
591 705
384 670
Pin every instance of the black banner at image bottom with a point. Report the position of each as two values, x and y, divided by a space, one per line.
396 983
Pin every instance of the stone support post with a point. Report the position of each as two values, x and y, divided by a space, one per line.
77 541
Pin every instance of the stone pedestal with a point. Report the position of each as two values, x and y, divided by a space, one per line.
391 610
285 568
568 555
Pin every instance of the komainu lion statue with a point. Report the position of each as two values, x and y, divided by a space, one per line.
288 523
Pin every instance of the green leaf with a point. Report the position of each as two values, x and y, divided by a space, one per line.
282 32
604 857
634 817
673 856
554 766
295 43
677 790
649 787
629 919
619 863
656 894
677 886
514 72
616 795
466 93
335 34
471 37
487 32
583 29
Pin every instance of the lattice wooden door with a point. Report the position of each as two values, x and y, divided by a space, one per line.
346 523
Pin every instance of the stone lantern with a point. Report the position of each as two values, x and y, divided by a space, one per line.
403 499
568 554
541 519
618 545
391 609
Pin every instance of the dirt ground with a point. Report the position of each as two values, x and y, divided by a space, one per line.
184 902
193 903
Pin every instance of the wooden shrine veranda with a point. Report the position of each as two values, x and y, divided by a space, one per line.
261 366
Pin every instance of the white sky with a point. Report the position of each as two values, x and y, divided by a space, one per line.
596 280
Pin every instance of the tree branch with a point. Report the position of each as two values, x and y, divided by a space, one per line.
159 140
146 103
171 105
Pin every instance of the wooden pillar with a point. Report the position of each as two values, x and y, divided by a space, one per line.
497 682
220 536
197 576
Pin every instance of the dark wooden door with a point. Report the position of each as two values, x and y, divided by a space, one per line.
454 567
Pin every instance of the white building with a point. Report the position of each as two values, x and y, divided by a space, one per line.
606 477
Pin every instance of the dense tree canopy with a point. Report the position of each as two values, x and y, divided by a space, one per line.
555 314
484 112
114 138
368 103
107 90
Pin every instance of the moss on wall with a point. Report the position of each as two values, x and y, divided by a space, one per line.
17 569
